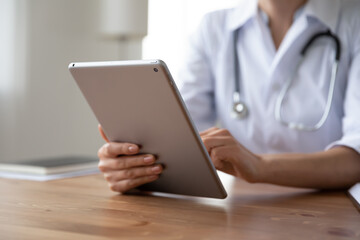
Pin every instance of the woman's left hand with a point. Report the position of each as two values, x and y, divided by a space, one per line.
229 156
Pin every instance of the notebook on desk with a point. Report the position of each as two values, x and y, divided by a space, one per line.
49 168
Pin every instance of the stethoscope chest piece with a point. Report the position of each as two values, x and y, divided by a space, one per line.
240 110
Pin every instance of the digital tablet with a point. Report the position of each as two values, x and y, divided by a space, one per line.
138 102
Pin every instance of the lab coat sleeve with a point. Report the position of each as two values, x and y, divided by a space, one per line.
196 79
351 119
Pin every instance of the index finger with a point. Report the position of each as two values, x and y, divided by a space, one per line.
212 142
208 131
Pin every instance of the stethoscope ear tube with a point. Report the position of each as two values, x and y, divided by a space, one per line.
285 89
320 123
324 34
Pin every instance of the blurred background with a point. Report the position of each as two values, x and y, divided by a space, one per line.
42 112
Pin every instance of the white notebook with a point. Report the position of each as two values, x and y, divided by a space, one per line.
51 168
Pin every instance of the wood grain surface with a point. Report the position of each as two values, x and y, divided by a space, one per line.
84 208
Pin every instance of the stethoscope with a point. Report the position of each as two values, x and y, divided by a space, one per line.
240 110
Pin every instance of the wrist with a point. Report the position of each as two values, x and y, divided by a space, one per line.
262 169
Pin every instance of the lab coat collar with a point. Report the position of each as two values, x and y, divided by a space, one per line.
241 14
326 11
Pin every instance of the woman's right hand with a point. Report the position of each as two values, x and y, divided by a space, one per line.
124 168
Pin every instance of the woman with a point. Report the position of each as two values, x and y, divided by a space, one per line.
267 37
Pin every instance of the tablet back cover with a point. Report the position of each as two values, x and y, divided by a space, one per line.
138 102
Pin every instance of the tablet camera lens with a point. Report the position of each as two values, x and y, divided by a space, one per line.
156 70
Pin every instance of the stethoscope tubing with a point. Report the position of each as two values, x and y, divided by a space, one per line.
285 89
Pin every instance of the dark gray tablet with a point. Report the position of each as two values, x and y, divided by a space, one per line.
138 102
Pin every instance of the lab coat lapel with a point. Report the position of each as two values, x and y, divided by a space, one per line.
314 19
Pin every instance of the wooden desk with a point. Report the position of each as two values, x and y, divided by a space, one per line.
84 208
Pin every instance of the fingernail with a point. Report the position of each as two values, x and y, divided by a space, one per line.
148 159
133 148
156 169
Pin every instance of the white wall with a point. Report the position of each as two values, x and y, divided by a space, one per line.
7 17
42 112
170 24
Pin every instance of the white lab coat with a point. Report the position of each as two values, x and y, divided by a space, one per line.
207 79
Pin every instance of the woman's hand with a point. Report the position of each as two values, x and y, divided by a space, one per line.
335 168
229 156
124 168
